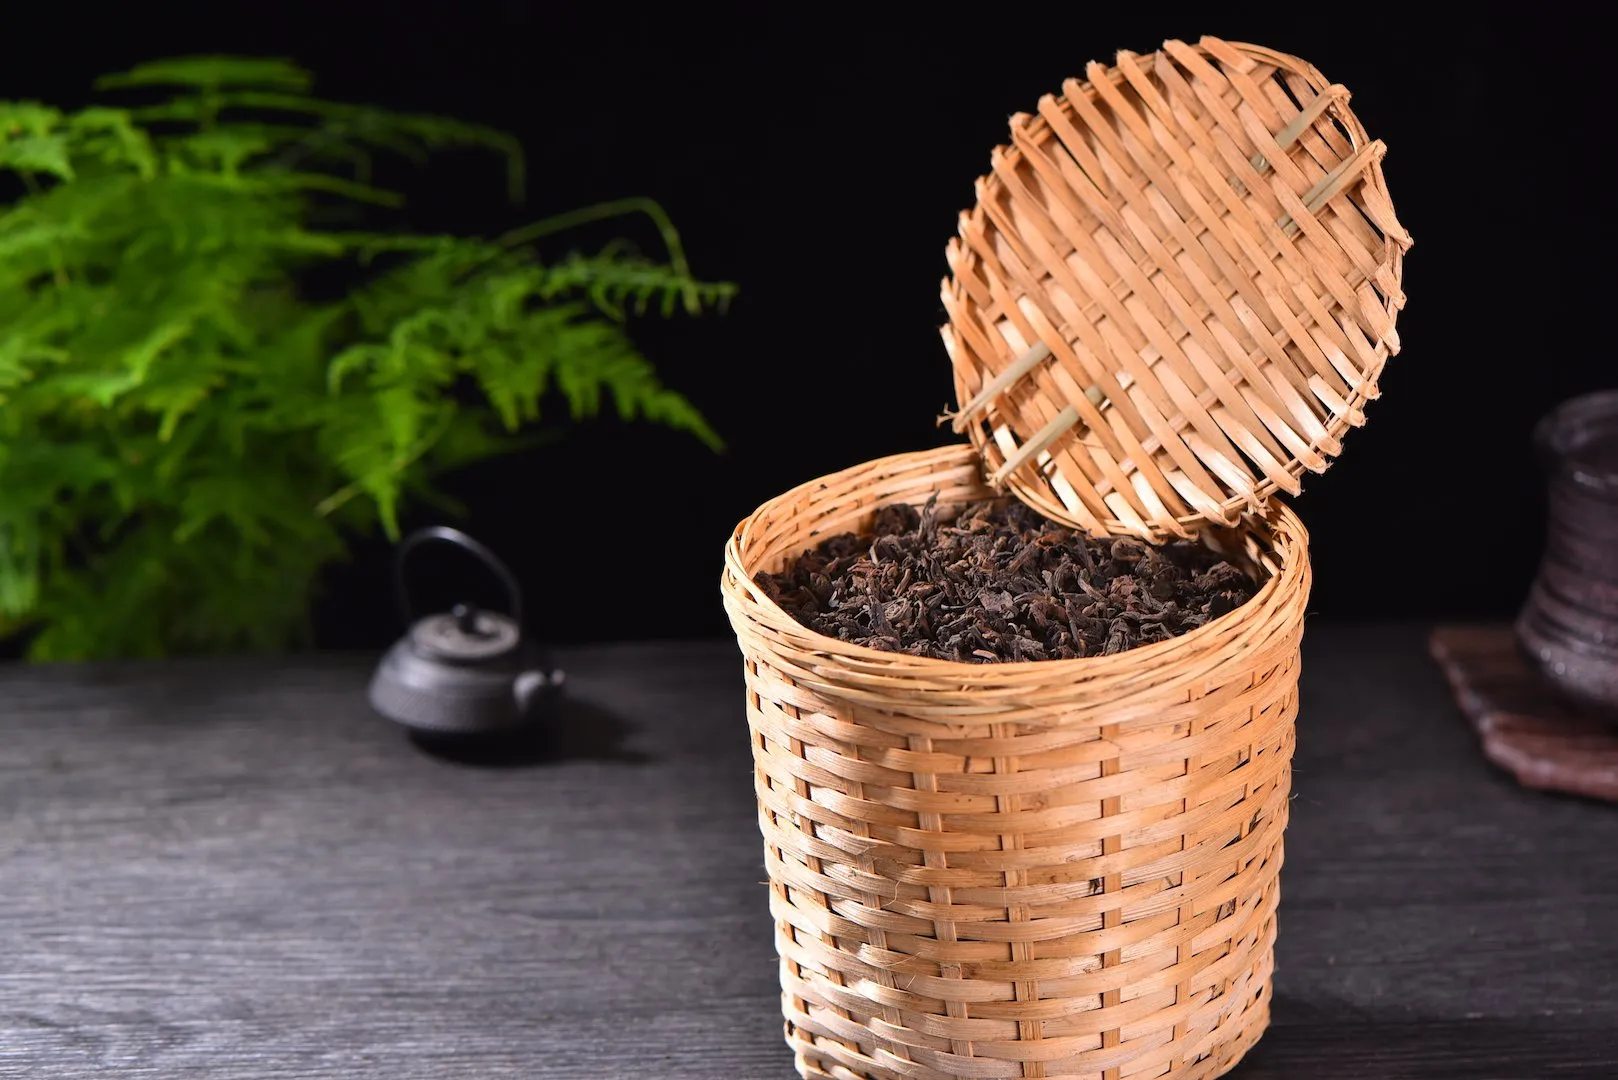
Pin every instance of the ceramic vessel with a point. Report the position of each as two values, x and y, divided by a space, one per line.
1569 626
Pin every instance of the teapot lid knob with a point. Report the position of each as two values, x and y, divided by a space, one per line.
465 635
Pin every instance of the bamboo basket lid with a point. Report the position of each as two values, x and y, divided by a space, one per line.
1176 291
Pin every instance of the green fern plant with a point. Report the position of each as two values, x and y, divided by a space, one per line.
188 433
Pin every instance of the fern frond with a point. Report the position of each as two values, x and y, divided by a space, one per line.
19 568
29 154
342 128
624 284
287 180
111 137
185 437
27 118
212 73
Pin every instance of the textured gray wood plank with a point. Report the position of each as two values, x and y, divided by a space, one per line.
1436 920
233 870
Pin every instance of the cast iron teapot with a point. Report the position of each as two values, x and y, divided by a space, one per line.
465 671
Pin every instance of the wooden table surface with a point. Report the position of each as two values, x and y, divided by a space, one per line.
234 870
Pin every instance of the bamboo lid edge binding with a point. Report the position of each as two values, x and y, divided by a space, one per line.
1176 291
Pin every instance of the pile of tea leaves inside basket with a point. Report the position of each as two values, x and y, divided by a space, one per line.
992 582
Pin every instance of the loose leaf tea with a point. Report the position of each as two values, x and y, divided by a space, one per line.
991 582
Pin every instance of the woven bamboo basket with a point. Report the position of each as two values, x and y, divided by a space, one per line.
1176 292
1050 868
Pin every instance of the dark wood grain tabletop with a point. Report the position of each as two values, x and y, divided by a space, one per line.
234 869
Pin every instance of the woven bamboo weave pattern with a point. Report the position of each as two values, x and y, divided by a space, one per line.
1176 291
1039 869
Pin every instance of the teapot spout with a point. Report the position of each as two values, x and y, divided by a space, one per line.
531 686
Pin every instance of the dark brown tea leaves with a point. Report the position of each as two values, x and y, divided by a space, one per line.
993 582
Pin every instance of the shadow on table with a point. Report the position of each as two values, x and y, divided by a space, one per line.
1350 1043
572 729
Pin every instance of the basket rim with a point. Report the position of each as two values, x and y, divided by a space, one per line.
1288 541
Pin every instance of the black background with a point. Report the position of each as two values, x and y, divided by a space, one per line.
818 157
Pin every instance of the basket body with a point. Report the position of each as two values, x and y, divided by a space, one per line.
1043 869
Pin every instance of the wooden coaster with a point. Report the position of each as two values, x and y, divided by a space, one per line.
1524 728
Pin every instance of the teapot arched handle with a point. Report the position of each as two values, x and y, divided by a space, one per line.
445 534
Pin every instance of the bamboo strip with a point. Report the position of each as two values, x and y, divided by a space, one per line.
1334 94
1043 438
997 386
